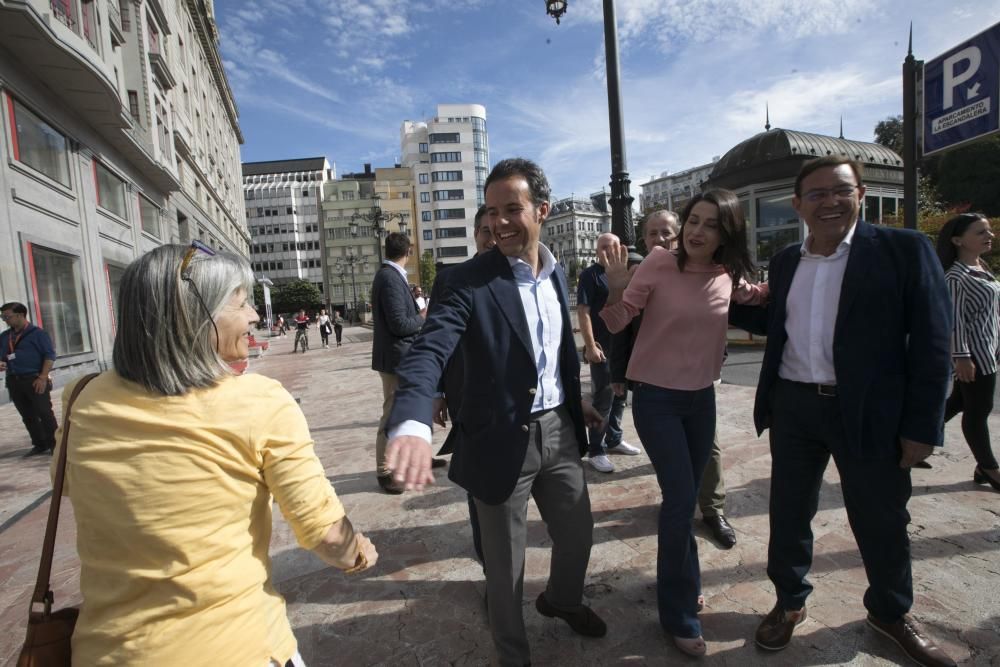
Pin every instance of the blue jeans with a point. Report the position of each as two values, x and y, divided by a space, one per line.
676 428
610 406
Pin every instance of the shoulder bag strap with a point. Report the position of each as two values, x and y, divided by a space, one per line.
42 594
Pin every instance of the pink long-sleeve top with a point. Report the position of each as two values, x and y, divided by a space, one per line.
685 317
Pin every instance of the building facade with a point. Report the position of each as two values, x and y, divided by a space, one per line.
572 228
357 211
449 159
282 213
118 133
672 191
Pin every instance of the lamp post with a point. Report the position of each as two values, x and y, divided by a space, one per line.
378 219
621 199
349 261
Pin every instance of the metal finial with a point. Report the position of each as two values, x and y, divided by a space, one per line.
767 117
841 126
909 48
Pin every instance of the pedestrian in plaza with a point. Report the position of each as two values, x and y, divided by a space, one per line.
338 326
301 332
591 295
397 322
856 367
522 421
26 358
325 327
418 297
449 405
684 297
975 339
661 229
172 463
282 326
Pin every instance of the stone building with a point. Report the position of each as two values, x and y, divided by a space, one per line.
572 228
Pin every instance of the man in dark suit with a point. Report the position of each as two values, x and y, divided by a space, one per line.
522 425
396 324
856 367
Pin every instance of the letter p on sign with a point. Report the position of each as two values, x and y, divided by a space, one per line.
952 80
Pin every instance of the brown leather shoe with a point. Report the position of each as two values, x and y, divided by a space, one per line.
911 638
389 485
775 631
583 620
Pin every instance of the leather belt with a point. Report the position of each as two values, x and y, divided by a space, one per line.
825 390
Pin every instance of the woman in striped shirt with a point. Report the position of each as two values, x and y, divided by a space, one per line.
975 341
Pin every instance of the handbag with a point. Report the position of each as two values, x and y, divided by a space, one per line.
47 642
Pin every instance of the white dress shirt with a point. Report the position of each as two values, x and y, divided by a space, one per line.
543 312
811 314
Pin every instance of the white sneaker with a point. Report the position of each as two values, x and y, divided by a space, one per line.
624 448
601 463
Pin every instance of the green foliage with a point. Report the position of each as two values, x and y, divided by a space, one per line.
428 270
889 132
931 226
291 297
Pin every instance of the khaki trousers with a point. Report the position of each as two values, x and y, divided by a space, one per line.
390 381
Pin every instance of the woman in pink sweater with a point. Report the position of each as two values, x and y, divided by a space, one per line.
684 295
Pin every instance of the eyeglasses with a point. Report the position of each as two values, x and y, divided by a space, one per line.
841 193
185 273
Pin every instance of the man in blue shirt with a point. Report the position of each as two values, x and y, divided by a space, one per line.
26 357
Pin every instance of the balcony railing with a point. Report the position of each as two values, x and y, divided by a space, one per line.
63 11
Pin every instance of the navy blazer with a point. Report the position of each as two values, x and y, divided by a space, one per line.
890 342
482 317
454 372
395 316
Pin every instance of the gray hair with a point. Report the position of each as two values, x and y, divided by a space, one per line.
166 339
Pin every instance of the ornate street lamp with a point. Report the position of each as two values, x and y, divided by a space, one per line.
621 199
348 262
378 219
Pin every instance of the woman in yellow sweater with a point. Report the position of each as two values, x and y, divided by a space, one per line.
173 461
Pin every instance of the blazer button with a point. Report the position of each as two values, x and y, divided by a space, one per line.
524 427
532 391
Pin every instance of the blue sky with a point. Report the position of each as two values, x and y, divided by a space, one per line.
337 77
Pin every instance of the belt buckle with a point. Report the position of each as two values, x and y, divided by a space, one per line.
827 390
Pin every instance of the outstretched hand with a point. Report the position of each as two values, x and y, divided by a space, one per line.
615 262
409 459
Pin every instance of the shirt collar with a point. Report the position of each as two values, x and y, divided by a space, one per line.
843 247
518 265
398 267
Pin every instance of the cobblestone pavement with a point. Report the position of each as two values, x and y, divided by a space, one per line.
423 603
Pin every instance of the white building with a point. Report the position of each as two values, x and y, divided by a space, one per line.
572 228
282 211
118 132
673 190
449 156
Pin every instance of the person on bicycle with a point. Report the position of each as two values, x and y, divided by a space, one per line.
301 332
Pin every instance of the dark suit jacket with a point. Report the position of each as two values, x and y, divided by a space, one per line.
396 319
482 317
454 371
890 345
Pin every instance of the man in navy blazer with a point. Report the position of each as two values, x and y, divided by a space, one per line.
856 367
521 421
396 321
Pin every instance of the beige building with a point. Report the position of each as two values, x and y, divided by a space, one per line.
357 211
118 132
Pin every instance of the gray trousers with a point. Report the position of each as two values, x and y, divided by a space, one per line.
390 382
553 475
712 492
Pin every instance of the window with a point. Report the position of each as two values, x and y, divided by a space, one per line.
425 216
445 138
288 210
459 251
133 105
423 148
114 274
347 195
60 308
451 233
110 190
428 235
438 176
446 157
450 214
425 197
775 211
872 212
422 178
448 195
149 215
37 144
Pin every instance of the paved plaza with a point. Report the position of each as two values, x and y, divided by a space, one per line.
423 603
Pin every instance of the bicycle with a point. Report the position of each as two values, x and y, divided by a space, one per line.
301 335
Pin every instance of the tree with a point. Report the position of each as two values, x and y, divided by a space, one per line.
889 132
969 175
298 294
427 269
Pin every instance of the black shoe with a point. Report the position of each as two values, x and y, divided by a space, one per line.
583 620
37 451
923 465
438 463
722 532
389 485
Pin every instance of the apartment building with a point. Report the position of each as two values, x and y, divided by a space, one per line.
282 212
572 228
673 190
449 157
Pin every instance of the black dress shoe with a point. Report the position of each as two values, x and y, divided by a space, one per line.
389 485
923 465
438 463
582 619
911 638
723 533
37 451
775 631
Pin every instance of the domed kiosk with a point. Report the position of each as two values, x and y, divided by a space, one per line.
762 171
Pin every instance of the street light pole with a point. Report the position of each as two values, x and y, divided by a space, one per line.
621 198
378 218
